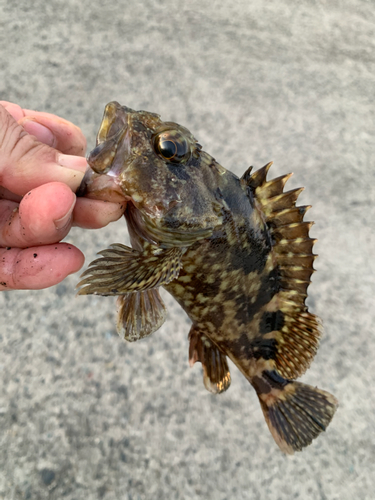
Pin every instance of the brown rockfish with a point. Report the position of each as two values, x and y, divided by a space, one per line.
235 254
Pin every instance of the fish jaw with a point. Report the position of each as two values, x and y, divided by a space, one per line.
105 161
101 187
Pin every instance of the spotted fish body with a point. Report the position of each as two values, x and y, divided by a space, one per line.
235 253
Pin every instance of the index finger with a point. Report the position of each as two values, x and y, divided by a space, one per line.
26 163
67 137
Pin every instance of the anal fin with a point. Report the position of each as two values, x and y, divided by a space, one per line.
216 375
121 270
139 314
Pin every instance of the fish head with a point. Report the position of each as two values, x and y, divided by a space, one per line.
170 185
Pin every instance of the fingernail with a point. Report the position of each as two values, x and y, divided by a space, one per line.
73 162
64 221
42 133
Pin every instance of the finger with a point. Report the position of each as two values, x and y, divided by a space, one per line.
44 216
94 214
38 267
13 109
25 163
49 129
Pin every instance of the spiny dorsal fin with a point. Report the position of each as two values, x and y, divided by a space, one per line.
295 339
292 244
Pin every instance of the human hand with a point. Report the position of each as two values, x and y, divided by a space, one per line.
41 166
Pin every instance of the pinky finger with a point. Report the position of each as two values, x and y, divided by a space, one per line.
39 267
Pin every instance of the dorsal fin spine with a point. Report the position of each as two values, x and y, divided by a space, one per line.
298 339
258 177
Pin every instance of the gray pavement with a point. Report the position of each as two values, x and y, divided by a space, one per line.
84 415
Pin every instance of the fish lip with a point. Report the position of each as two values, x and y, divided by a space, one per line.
82 188
113 141
100 187
99 162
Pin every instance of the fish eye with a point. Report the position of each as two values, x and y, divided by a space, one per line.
172 146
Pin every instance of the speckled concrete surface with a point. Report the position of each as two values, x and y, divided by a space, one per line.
84 415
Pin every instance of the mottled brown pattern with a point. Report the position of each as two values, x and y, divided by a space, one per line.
235 253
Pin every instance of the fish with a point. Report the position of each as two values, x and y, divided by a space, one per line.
235 253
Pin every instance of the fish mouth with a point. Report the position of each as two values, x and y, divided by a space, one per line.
100 187
106 160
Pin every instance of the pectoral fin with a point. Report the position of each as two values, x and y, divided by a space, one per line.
122 270
216 375
139 314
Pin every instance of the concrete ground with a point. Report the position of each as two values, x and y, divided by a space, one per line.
84 415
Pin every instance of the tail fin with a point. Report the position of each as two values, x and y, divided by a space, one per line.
295 413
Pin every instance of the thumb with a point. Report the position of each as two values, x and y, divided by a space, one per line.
26 163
